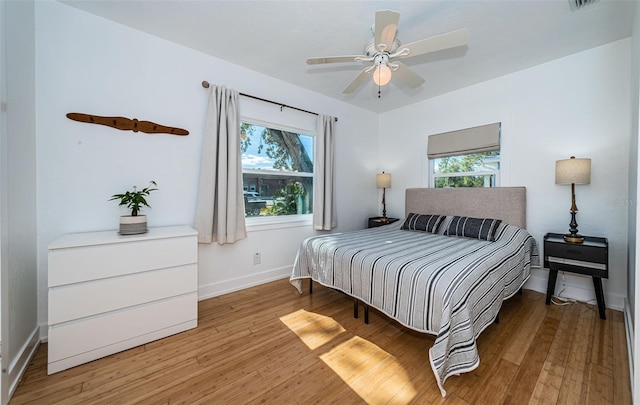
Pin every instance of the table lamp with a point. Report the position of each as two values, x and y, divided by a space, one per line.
573 171
383 181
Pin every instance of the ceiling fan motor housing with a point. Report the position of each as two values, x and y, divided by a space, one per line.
382 58
370 48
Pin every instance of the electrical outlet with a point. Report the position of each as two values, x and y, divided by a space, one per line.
256 258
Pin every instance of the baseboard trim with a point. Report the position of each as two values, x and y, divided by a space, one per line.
19 365
240 283
612 301
628 327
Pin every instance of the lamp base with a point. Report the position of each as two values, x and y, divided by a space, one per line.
384 219
573 238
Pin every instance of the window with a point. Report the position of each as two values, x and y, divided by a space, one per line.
472 170
277 170
465 158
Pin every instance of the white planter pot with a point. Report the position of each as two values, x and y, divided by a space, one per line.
133 225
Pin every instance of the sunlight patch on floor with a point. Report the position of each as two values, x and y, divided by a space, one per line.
375 375
313 329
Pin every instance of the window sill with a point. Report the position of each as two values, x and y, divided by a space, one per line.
270 223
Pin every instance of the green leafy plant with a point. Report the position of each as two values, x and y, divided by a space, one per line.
134 200
288 200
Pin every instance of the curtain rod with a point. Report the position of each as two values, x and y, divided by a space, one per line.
205 84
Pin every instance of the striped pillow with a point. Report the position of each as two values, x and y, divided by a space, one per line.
426 223
477 228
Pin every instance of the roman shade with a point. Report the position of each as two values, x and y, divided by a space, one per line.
485 138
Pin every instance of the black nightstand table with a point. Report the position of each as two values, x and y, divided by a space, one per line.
377 221
590 258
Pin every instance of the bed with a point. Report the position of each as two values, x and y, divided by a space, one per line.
465 251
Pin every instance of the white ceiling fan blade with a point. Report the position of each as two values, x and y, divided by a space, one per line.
386 26
333 59
438 42
407 76
361 78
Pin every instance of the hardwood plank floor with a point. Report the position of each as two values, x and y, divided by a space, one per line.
268 344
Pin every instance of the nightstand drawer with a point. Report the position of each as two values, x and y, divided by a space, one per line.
581 253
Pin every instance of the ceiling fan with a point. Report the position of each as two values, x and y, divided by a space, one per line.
385 49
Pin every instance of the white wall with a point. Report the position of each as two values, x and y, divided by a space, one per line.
4 200
90 65
633 300
577 105
18 190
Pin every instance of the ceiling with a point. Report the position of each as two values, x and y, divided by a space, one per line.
276 37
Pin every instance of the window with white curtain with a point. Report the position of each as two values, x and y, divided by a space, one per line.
277 169
465 158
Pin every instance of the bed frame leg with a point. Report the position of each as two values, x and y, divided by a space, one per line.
310 286
355 308
366 314
520 291
497 320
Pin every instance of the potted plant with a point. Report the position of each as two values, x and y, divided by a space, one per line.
134 200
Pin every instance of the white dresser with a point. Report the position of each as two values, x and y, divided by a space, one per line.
111 292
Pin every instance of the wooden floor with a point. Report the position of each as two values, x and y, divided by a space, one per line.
270 345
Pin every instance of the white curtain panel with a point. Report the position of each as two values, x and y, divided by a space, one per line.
324 196
220 210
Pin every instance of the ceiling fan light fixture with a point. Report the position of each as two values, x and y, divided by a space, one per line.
382 75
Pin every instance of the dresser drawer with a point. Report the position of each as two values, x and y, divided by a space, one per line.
80 300
84 263
92 334
583 253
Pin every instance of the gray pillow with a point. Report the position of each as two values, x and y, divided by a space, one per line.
476 228
422 222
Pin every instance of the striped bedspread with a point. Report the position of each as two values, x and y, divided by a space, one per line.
451 287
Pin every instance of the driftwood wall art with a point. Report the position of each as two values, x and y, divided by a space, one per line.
127 124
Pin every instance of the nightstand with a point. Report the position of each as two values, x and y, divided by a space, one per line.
377 221
590 258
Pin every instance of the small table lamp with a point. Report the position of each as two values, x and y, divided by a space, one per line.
383 181
573 171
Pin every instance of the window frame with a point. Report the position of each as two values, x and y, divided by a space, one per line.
259 223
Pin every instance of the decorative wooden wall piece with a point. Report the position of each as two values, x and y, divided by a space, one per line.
127 124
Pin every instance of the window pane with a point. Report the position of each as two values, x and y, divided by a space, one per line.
475 162
277 170
473 170
487 180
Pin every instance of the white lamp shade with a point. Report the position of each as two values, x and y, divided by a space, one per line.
383 180
573 171
382 75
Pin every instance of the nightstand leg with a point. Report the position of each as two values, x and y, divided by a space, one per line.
597 284
551 284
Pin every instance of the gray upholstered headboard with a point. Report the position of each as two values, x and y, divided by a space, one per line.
506 203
